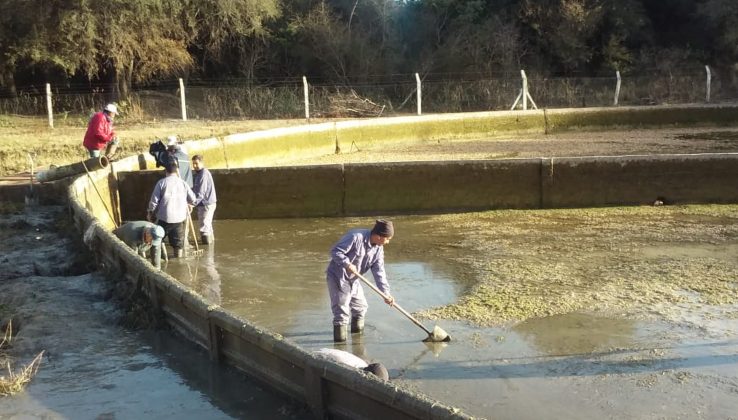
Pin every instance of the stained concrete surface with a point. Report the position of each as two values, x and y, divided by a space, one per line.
93 367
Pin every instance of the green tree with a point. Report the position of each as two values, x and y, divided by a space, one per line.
118 40
721 24
562 30
124 41
229 36
343 41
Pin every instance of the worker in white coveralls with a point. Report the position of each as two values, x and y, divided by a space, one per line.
358 251
143 237
348 359
206 200
169 206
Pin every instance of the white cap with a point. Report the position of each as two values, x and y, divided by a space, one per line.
111 108
172 141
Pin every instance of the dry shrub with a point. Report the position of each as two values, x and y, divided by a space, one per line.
14 382
350 104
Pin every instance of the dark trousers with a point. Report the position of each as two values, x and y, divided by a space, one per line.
175 233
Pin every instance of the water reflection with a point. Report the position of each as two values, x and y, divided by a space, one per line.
199 273
576 333
272 272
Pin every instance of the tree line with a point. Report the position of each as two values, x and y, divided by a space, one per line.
116 43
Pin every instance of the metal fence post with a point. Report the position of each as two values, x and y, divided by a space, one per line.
617 88
182 99
525 89
307 98
420 96
48 105
709 78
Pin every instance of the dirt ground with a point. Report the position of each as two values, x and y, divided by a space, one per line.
596 143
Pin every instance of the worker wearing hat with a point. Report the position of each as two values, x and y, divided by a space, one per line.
100 133
177 151
358 251
143 237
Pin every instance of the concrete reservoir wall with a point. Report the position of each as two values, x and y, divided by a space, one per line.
248 188
438 187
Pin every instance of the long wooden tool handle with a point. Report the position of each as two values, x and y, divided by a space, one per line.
102 200
398 307
192 229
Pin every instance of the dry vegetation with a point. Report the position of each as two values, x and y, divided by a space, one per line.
645 260
21 136
12 382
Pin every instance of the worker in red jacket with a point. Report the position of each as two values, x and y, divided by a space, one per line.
100 133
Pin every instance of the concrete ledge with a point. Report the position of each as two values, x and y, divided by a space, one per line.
262 147
651 116
419 129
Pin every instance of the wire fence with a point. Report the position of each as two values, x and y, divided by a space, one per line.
244 99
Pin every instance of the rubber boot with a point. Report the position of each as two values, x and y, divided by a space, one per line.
205 239
339 333
178 253
357 325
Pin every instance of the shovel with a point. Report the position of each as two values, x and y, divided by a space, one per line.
438 335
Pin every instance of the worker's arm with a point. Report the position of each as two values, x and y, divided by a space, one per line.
380 276
156 251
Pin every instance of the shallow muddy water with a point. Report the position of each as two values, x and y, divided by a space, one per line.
624 312
92 367
95 369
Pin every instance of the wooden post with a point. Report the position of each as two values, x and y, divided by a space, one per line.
182 99
420 96
49 108
525 90
307 97
709 78
617 88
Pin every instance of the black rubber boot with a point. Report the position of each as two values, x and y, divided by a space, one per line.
357 325
206 239
339 333
178 253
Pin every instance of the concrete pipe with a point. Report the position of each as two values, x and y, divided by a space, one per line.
72 169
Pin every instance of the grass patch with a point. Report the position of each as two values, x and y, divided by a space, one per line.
23 136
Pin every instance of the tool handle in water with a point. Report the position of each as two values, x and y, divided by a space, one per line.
404 312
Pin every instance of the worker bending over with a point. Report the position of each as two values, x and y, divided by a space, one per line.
144 237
